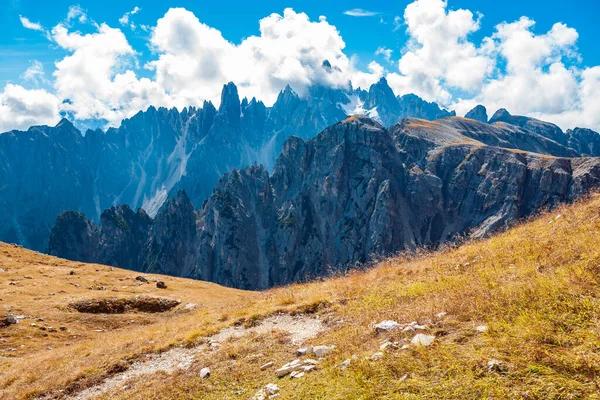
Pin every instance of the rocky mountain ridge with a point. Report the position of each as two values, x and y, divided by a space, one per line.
152 155
356 191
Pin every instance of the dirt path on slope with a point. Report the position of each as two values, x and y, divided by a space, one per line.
300 327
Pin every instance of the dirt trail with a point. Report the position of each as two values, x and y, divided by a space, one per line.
300 328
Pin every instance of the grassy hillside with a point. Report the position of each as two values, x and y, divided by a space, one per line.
534 287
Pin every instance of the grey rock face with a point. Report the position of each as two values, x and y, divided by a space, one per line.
360 190
479 113
584 141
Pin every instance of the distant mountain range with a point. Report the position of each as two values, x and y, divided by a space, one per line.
253 196
48 170
355 192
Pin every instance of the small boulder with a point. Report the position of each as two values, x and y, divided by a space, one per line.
441 315
204 373
296 374
142 279
345 364
8 321
309 368
422 340
495 366
161 285
481 328
304 351
386 326
267 365
270 391
289 368
387 344
377 356
72 272
321 351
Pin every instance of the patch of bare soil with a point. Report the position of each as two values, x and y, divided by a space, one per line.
122 305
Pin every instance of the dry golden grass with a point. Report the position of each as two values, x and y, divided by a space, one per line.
535 286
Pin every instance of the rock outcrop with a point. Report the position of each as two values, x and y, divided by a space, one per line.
358 191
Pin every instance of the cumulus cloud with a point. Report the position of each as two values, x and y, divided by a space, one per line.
359 12
195 58
21 108
35 26
94 77
439 57
536 79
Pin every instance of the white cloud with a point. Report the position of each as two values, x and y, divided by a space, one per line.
195 60
35 73
536 80
359 12
35 26
76 13
397 22
94 78
124 20
21 108
439 57
385 52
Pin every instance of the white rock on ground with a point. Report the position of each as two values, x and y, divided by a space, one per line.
387 344
296 366
321 351
309 368
289 368
270 391
386 326
204 372
345 364
421 339
377 356
482 328
304 351
441 315
296 374
267 365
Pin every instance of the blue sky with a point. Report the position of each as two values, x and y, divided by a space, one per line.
573 51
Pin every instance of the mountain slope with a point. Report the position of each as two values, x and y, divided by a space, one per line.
534 287
355 192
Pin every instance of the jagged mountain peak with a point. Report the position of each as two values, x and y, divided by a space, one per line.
65 124
501 115
478 113
230 100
